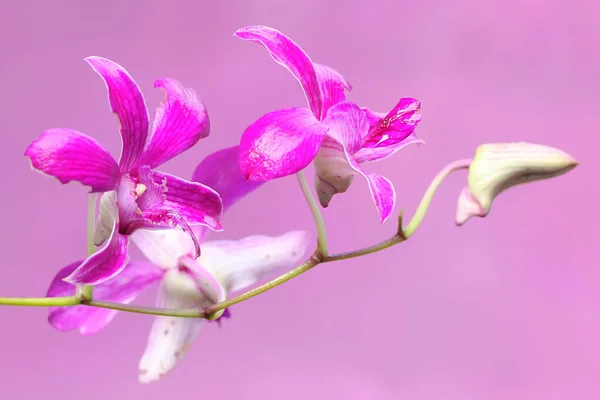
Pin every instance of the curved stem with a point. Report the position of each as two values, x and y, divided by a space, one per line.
423 206
320 256
316 213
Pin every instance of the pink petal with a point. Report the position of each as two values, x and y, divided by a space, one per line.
242 263
106 262
288 54
333 86
367 154
468 207
383 194
391 132
164 247
221 172
198 204
127 102
72 156
280 143
179 122
124 288
347 124
333 164
170 337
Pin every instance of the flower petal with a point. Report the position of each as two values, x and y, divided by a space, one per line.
179 123
106 262
69 155
241 263
390 132
198 204
333 164
280 143
383 194
164 247
468 207
124 288
288 54
333 86
126 100
171 337
221 172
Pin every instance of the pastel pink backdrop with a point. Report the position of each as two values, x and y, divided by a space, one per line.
506 307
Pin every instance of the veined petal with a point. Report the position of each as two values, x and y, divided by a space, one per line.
106 262
347 124
280 143
334 162
288 54
221 172
136 277
69 156
108 215
367 154
396 126
179 123
383 194
126 100
333 86
171 337
164 247
198 204
242 263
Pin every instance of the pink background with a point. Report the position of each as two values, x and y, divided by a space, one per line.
503 308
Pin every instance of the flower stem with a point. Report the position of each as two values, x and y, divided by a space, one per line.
320 256
40 302
316 213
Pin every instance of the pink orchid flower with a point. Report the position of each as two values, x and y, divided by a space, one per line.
135 195
223 267
336 134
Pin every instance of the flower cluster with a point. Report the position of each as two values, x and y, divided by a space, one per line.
168 218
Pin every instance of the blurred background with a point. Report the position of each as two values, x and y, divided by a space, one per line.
503 308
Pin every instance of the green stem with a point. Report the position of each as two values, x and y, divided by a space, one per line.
166 312
316 213
423 206
40 302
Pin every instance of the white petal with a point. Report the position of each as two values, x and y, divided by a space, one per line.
109 214
171 337
241 263
163 247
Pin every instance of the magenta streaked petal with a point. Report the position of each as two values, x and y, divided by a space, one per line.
396 126
333 86
179 123
221 172
280 143
367 154
198 204
242 263
288 54
134 278
347 124
171 337
106 262
69 156
126 100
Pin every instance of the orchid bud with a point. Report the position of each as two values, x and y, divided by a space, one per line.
497 167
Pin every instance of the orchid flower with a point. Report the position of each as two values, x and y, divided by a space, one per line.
500 166
223 267
135 196
336 134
